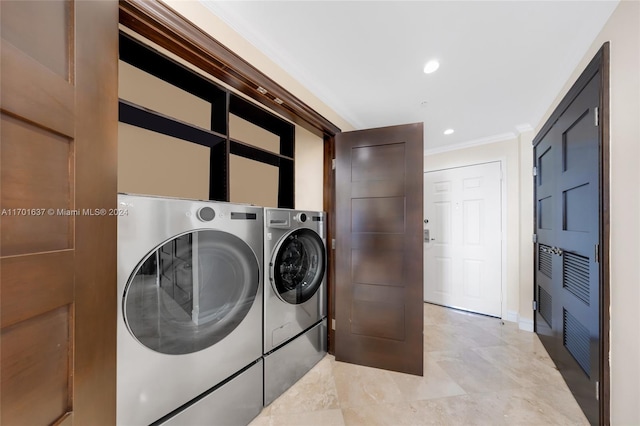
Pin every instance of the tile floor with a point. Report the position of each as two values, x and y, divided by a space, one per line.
477 371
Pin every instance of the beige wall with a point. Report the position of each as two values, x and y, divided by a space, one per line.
156 164
151 92
309 170
244 131
623 31
508 153
525 193
252 182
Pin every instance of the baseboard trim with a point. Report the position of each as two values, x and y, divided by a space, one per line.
512 316
525 324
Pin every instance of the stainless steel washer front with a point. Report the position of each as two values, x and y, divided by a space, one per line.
295 282
190 311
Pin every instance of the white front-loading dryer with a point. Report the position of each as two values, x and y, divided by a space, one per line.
190 311
295 299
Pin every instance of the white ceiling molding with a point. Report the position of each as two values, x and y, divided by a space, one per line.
476 142
523 128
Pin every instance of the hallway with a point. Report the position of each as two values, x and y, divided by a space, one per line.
476 371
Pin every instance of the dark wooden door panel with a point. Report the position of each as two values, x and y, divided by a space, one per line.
379 248
58 150
568 233
26 24
36 364
33 285
50 103
37 175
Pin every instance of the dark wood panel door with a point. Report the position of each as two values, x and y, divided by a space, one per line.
379 202
58 159
568 232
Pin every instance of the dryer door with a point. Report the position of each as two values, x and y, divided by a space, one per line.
191 292
298 267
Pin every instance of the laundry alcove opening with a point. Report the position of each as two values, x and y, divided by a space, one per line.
183 135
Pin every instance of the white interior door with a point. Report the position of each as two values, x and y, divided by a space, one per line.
463 238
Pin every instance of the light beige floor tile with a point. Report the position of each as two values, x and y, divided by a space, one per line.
438 338
512 407
474 374
435 383
396 414
358 385
312 418
478 371
261 420
478 335
558 401
520 366
455 410
313 392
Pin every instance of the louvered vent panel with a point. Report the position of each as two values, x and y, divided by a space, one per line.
545 305
576 340
544 260
575 276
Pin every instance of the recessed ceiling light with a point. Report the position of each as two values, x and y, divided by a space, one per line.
431 66
448 131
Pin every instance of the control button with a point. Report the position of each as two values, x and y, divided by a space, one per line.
302 217
206 214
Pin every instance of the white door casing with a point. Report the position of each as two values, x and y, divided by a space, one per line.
463 238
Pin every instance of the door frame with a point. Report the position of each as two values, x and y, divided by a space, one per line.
504 313
599 63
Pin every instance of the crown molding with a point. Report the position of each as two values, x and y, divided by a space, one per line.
524 127
160 24
472 143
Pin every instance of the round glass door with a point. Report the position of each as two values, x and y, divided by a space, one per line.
298 268
191 292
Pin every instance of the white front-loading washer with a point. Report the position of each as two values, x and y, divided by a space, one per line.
189 312
295 300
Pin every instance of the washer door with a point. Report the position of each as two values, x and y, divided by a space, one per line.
191 292
297 269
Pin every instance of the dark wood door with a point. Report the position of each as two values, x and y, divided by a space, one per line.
379 303
58 160
568 231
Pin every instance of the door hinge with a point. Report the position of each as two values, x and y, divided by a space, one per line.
534 171
597 253
333 323
534 237
333 164
596 119
333 244
534 305
597 391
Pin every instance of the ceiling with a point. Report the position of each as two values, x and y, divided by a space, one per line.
502 63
